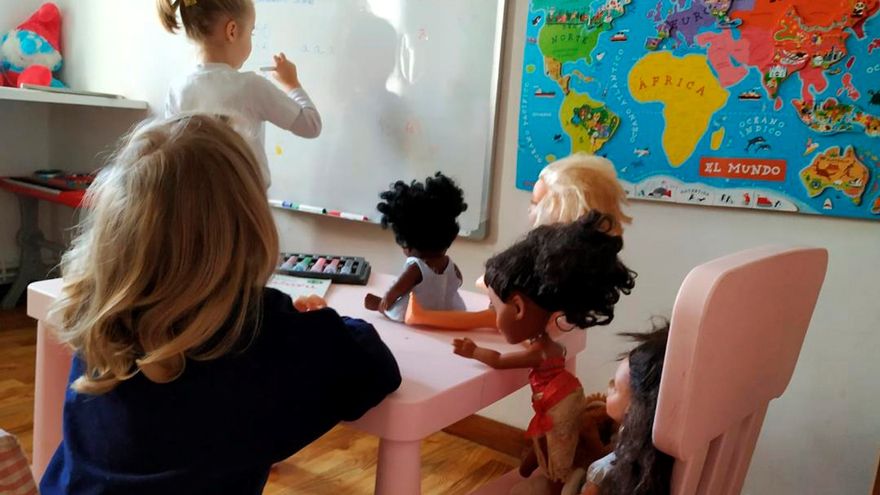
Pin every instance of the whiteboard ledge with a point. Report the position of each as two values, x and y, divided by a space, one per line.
478 234
325 215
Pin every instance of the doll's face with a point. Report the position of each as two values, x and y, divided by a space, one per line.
538 193
519 318
619 392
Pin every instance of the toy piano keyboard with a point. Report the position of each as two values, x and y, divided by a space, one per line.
340 269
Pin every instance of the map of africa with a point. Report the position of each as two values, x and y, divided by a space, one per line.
768 104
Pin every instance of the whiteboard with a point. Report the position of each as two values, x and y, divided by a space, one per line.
405 88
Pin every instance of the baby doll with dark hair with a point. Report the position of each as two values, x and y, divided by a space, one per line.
423 217
562 270
635 467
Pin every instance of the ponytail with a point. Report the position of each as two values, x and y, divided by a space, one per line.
168 14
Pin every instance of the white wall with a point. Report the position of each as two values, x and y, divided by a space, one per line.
821 437
23 137
118 46
36 136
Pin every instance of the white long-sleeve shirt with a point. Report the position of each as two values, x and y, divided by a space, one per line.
250 100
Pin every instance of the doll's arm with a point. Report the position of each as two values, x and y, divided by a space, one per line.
410 277
526 359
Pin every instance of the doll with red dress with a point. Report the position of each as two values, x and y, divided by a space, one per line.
563 271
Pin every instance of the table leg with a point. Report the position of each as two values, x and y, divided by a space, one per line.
399 470
30 242
53 368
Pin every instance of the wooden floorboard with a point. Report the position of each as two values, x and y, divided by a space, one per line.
490 433
342 462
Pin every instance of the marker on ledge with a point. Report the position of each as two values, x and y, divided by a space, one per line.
348 216
293 206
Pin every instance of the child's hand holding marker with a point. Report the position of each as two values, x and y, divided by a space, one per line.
285 72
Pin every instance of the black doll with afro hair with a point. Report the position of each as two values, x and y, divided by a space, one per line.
424 219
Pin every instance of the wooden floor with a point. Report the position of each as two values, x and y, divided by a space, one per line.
341 462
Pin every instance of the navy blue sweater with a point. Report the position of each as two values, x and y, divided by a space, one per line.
219 427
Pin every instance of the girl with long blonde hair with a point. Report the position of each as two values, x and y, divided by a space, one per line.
188 374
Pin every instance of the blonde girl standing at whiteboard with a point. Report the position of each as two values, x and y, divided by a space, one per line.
223 30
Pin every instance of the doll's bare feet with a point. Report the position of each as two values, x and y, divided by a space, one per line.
372 302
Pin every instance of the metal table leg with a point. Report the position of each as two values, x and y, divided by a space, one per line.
31 243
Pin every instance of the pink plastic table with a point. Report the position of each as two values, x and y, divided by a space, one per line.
439 388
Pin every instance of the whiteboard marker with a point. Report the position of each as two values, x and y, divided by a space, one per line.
347 268
333 267
293 206
290 263
267 68
319 265
348 216
303 265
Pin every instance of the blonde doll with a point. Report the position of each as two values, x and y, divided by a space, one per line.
569 188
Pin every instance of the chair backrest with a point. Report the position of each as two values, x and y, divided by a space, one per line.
15 474
736 332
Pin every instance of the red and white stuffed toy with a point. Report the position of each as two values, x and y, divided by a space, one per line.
31 53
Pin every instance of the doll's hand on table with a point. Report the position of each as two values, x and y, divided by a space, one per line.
384 305
372 302
305 304
376 303
464 347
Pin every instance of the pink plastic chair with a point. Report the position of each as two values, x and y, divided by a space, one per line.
737 330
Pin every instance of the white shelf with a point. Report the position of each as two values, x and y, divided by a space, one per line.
35 96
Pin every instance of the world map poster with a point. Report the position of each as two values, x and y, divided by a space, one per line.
766 104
